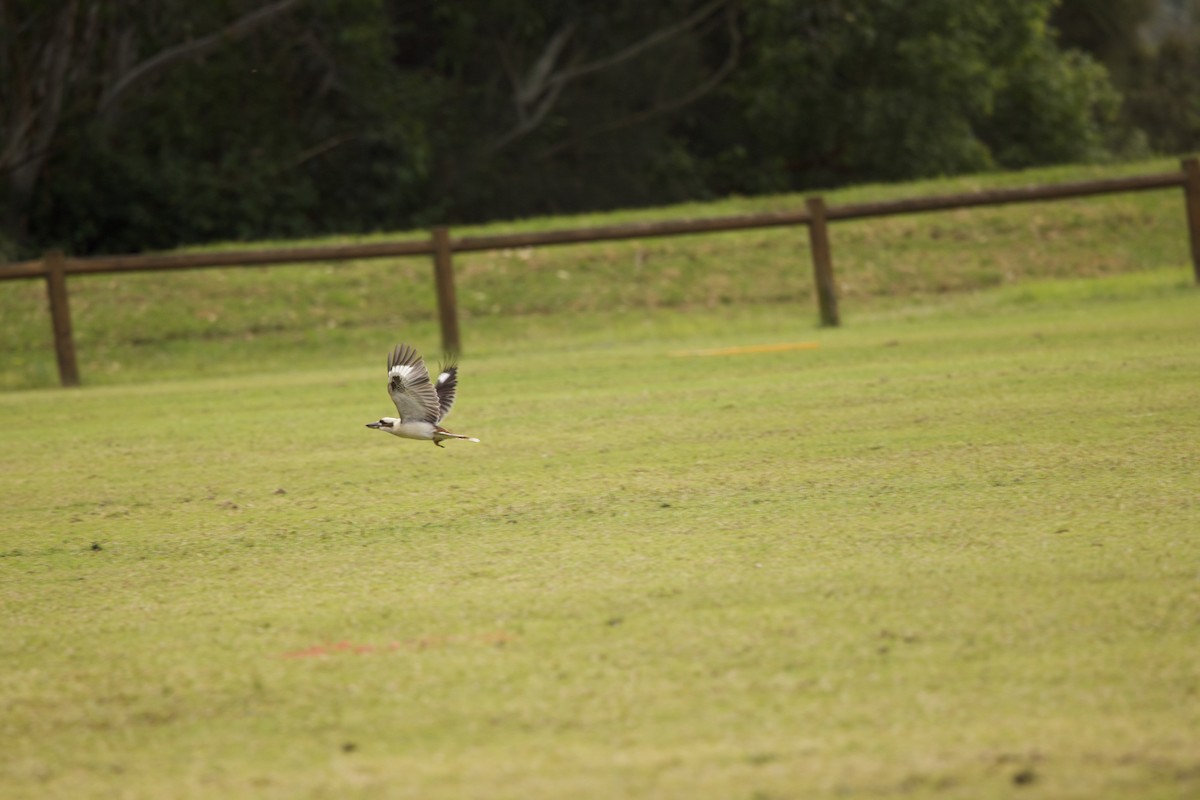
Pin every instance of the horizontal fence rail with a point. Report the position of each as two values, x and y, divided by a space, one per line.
54 266
999 197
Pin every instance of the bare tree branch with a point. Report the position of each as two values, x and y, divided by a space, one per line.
39 112
722 72
654 39
318 150
535 84
676 103
40 76
5 28
156 64
538 92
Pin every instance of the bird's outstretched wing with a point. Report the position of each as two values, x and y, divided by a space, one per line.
446 386
409 386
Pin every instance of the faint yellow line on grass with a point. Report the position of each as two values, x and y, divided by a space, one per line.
753 348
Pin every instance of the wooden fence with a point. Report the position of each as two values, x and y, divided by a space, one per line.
54 267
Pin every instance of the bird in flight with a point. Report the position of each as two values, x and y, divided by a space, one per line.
421 403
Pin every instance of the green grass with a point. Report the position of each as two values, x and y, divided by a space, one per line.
949 553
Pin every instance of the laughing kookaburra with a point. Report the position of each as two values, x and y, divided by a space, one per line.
421 403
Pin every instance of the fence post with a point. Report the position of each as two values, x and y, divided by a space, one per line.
1191 193
818 237
443 274
60 317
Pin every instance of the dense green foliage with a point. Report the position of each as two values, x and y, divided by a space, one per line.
896 90
1151 48
141 126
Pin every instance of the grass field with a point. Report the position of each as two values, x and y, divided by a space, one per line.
949 552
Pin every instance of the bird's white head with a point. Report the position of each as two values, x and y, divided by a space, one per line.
385 424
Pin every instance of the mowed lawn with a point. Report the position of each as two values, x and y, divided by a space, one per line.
950 552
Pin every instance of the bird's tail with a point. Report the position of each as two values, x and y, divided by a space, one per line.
443 434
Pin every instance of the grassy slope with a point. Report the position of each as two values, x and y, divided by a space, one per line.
133 327
949 552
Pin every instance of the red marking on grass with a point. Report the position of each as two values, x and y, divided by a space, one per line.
418 644
310 652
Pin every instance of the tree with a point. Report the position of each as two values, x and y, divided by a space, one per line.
1152 49
130 126
844 90
80 61
348 114
560 107
1109 30
1163 93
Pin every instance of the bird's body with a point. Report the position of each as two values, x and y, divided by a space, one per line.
421 403
411 430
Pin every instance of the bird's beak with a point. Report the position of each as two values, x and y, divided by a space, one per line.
374 425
